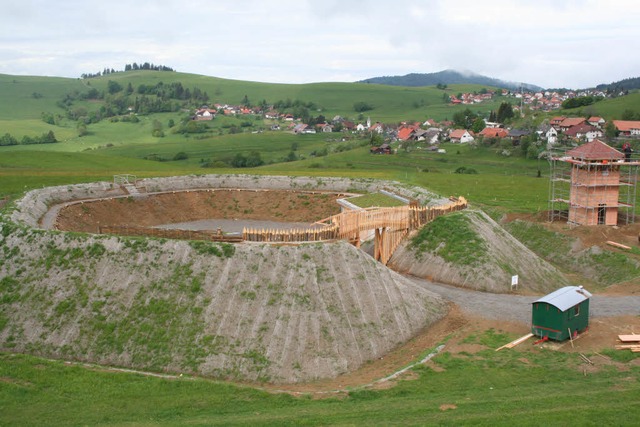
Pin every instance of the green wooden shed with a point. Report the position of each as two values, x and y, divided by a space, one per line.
561 314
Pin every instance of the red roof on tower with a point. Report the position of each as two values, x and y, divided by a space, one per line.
595 150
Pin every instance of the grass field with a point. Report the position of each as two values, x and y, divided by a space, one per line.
610 109
510 184
522 387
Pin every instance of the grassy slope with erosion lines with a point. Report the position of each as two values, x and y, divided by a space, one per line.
247 313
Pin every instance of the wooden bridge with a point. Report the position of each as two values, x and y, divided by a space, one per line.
390 226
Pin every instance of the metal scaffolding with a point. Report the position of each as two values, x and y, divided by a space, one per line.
562 185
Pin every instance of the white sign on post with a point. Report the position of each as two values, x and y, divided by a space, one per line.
514 282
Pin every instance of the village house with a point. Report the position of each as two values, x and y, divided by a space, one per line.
584 132
596 121
205 113
300 128
570 122
431 136
549 134
405 133
555 122
628 127
493 133
377 127
460 136
516 135
348 125
383 149
324 127
492 125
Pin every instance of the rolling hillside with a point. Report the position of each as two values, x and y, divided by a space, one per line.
389 103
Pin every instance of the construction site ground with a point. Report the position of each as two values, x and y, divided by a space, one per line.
455 328
462 319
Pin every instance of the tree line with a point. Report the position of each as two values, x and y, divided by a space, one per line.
119 100
45 138
128 67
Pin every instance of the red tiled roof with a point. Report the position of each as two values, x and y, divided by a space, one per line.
494 132
582 128
405 133
457 134
626 125
595 150
572 121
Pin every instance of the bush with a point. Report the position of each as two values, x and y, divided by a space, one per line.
181 156
466 170
361 106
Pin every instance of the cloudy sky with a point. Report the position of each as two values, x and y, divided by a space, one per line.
551 43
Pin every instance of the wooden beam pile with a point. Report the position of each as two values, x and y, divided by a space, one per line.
630 342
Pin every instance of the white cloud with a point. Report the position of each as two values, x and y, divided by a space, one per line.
574 43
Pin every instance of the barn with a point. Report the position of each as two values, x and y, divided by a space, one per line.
561 314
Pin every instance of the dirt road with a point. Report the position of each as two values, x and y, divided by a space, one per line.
518 308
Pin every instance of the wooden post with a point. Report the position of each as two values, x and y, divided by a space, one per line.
570 337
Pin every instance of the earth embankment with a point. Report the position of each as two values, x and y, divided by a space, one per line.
248 312
499 257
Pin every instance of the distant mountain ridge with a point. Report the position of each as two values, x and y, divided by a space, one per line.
448 77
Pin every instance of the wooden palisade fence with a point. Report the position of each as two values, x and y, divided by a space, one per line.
391 225
166 233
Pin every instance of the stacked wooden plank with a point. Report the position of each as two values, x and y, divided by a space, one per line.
515 342
630 342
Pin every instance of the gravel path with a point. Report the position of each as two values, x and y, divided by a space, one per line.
518 308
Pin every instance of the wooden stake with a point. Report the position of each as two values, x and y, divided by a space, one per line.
586 359
570 337
618 245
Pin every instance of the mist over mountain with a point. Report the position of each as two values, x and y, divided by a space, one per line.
448 77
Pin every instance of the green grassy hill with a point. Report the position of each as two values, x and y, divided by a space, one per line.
610 109
26 97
